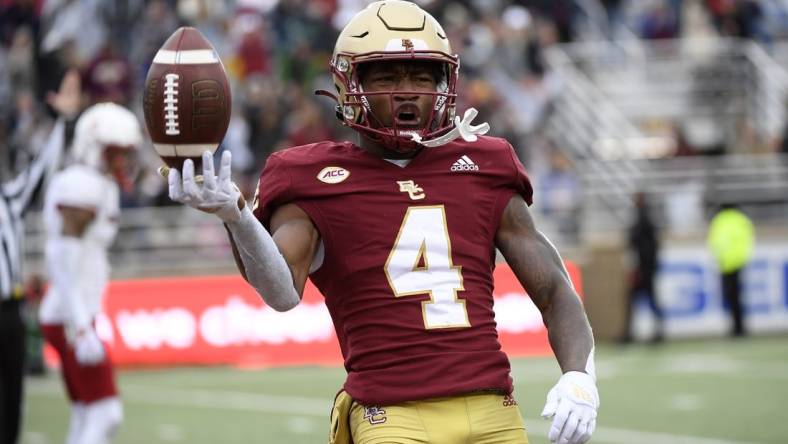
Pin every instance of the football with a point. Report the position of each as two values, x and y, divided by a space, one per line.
187 100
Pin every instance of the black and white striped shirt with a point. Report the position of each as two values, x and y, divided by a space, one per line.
16 195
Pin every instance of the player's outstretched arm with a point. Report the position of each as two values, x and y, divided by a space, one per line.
260 261
44 165
573 402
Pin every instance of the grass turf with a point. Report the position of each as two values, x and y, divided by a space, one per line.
698 392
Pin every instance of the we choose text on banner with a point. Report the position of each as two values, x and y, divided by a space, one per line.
222 320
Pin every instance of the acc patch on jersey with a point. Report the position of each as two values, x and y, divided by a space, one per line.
333 174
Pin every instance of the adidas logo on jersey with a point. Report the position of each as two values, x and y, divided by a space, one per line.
464 163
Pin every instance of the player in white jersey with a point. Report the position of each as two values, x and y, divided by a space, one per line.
81 209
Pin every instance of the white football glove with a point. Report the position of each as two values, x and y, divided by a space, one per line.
217 195
572 404
88 347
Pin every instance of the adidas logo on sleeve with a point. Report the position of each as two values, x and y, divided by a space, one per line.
464 163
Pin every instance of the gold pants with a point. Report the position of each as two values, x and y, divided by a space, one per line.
478 418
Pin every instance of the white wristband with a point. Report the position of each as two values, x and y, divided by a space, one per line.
266 269
590 366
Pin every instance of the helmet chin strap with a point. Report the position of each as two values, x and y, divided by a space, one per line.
462 128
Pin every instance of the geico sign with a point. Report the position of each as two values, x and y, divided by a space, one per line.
230 324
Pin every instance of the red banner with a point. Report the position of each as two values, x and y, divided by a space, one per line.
222 320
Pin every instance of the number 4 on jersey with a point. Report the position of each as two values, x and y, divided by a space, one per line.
420 262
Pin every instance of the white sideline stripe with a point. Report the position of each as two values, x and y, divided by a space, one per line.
184 150
612 435
211 399
624 436
186 57
298 405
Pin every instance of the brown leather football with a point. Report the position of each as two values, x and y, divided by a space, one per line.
187 100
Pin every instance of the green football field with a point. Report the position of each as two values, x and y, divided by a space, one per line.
704 392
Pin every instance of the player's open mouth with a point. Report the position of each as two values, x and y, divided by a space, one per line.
407 116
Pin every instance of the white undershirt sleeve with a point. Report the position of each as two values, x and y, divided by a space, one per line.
266 269
66 254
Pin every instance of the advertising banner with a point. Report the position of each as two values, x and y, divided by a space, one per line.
222 320
689 293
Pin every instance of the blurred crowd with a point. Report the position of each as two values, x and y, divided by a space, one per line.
276 53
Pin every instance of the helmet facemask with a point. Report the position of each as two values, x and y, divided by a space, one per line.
398 31
122 164
398 134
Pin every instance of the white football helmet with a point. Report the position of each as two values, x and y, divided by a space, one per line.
103 125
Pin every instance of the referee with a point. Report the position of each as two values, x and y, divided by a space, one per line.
16 196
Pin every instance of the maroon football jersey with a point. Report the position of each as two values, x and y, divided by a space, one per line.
409 255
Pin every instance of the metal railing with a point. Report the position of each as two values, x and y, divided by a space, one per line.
153 241
614 92
584 118
608 147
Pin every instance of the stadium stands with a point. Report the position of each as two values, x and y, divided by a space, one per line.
600 98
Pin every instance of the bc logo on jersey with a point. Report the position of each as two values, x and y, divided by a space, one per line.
414 191
374 414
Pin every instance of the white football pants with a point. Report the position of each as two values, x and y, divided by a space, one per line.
96 422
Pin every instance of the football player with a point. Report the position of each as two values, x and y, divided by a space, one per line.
398 230
81 209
